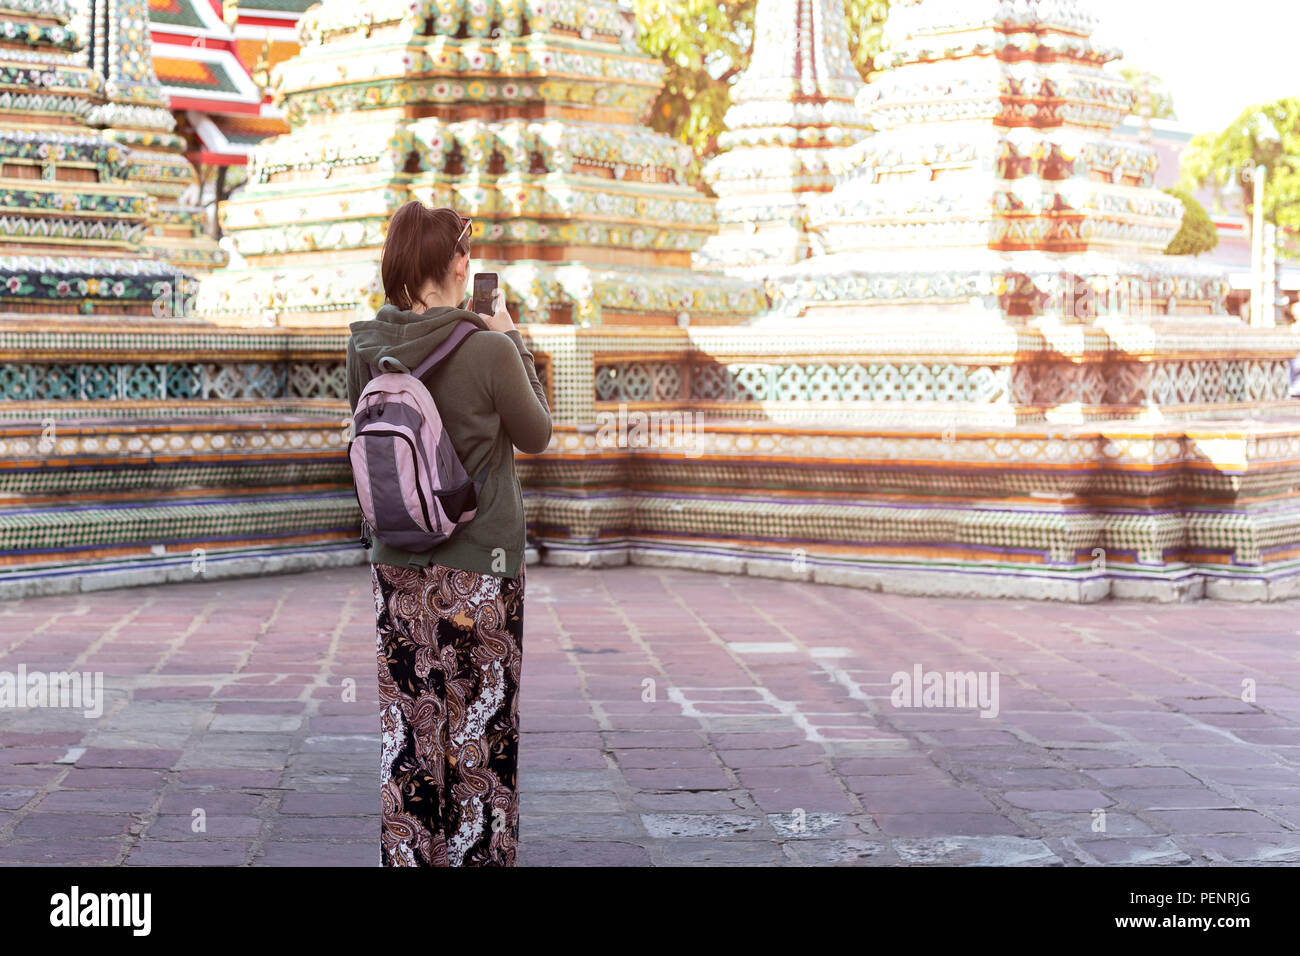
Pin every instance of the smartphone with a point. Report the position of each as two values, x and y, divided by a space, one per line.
485 287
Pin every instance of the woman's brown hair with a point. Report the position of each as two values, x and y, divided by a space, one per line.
420 244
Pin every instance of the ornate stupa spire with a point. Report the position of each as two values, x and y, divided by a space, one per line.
527 117
994 147
993 212
71 237
791 106
136 113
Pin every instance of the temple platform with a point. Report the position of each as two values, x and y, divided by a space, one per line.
157 454
1076 513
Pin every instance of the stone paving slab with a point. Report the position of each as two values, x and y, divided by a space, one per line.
672 718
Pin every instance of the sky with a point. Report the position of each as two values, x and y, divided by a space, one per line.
1215 65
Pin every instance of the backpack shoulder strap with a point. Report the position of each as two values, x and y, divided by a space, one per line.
463 330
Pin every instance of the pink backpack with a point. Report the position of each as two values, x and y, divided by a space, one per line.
413 489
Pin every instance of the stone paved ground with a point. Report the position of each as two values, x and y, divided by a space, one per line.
670 717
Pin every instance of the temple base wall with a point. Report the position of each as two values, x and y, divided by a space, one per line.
174 568
187 453
1170 513
1174 587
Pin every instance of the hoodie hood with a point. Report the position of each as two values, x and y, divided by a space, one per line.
408 337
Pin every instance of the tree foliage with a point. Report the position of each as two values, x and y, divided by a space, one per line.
866 23
1267 135
1197 233
705 44
1162 101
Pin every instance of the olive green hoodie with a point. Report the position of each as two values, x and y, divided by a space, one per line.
490 399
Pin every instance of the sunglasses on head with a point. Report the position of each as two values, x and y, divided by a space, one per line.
467 222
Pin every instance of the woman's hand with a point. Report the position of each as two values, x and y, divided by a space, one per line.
500 321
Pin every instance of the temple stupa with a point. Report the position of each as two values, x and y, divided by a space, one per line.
525 116
993 184
137 442
980 376
77 212
790 112
135 112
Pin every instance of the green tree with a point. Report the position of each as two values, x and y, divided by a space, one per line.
1267 135
705 44
866 23
1197 233
1162 101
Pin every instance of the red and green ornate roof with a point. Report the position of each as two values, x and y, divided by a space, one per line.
207 56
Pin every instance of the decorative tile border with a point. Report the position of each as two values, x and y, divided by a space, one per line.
1040 384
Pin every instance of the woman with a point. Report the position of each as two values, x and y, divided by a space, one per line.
450 621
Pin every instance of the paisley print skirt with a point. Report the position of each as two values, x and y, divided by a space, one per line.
450 650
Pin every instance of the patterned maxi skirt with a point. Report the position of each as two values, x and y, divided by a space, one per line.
450 650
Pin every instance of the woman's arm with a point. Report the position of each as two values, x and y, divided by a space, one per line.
519 397
517 393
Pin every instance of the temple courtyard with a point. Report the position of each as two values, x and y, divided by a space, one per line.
672 717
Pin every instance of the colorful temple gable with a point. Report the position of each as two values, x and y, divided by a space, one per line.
213 61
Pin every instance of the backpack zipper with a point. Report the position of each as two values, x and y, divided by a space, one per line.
415 457
366 541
